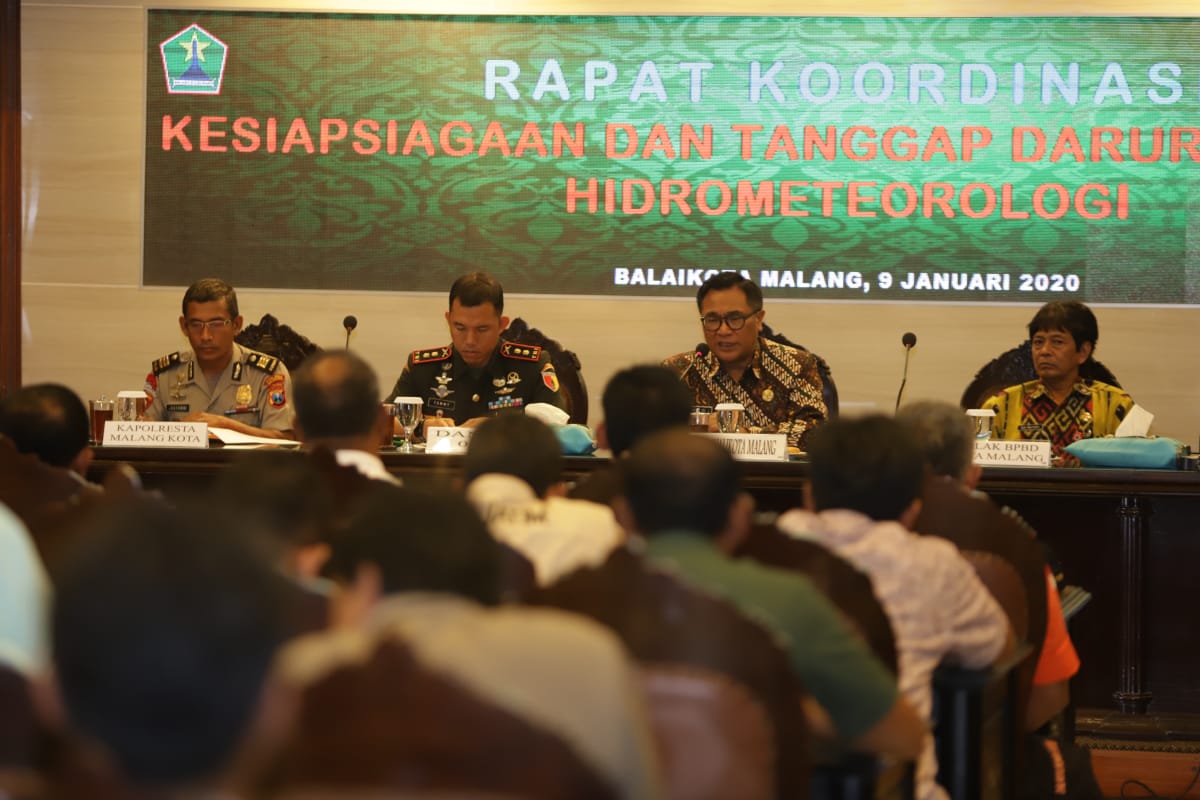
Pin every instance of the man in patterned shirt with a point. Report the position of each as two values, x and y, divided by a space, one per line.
1060 406
778 385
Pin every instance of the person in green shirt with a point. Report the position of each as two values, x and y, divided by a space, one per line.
682 494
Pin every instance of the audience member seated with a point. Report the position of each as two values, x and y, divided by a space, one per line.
683 495
513 470
164 629
24 598
864 487
337 401
637 402
284 500
954 510
51 422
423 570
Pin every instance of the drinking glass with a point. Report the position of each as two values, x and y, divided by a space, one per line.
981 420
699 418
729 417
102 412
130 405
408 414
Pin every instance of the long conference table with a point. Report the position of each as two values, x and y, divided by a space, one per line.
1130 537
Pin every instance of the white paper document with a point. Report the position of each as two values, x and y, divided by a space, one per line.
232 438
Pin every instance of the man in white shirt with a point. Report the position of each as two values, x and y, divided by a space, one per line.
862 497
336 395
514 475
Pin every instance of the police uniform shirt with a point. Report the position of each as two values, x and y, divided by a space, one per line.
515 376
254 389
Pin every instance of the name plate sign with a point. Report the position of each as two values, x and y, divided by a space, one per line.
1012 453
155 434
754 446
448 440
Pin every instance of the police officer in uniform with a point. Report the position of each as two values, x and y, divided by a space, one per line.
479 374
218 381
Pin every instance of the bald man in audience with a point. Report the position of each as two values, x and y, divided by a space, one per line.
337 400
682 494
513 470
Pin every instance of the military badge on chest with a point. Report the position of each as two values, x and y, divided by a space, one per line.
177 388
443 390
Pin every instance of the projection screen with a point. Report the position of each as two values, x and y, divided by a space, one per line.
985 160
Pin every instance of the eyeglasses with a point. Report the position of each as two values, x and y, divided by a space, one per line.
736 321
213 325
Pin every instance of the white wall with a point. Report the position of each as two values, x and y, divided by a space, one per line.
88 323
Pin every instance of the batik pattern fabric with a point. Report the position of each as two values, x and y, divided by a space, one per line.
780 390
1026 411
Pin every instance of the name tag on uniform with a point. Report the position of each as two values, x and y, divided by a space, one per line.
754 446
155 434
447 440
1012 452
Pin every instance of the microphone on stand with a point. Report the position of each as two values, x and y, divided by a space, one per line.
349 322
909 340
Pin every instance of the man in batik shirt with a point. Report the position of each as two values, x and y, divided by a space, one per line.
778 385
1060 406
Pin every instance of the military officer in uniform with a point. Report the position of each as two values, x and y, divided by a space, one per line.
218 381
478 374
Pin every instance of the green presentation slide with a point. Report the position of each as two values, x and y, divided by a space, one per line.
866 159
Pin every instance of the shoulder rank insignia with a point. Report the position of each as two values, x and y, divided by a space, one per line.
430 355
161 365
521 352
263 361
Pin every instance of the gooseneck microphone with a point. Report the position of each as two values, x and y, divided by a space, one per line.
909 340
349 322
699 352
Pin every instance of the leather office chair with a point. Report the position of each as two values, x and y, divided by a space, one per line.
854 776
566 365
53 503
19 731
847 587
974 522
1016 366
715 739
270 337
829 392
665 621
387 722
979 731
